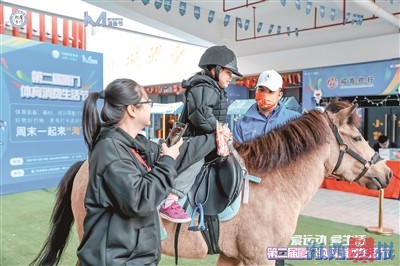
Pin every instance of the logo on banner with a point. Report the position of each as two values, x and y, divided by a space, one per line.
18 19
55 54
102 20
89 60
332 83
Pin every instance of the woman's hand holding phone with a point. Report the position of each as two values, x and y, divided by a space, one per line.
176 133
172 151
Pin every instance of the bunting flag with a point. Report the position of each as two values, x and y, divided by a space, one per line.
298 4
283 2
278 29
360 19
167 5
322 11
347 16
308 7
211 15
182 8
333 14
226 20
259 27
288 31
239 22
158 3
296 30
271 28
145 2
196 12
246 24
355 19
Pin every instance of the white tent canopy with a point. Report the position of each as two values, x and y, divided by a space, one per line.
167 108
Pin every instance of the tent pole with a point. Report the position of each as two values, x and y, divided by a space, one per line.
163 126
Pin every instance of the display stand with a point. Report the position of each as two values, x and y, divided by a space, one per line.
380 230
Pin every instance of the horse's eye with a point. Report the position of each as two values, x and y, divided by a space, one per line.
357 139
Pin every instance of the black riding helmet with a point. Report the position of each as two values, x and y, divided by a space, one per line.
220 56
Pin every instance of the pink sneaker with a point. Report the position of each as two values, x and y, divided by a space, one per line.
174 213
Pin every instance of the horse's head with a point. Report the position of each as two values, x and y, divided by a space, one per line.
356 160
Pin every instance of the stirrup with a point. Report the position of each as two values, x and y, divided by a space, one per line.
200 226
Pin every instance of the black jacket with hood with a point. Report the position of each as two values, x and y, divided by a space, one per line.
205 104
122 224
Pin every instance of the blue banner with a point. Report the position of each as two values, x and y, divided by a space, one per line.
43 87
375 78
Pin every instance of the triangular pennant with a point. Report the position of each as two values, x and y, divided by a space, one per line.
182 8
211 15
322 11
355 19
145 2
226 20
158 3
308 7
296 30
167 5
239 22
288 31
271 28
283 2
259 27
298 4
360 19
196 11
278 29
347 16
246 24
333 14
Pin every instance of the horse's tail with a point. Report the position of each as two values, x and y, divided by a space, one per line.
61 221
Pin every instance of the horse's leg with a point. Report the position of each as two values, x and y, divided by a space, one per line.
227 261
61 221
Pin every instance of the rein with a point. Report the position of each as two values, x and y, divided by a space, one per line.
367 164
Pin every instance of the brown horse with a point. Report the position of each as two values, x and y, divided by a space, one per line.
292 162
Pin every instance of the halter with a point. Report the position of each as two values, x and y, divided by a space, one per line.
374 159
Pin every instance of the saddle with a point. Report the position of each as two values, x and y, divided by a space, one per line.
217 185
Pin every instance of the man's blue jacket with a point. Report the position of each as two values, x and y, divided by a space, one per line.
255 124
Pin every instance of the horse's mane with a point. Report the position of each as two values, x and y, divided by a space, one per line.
283 145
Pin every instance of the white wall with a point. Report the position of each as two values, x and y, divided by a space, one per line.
364 50
147 60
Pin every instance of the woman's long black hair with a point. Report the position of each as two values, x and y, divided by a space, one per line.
117 95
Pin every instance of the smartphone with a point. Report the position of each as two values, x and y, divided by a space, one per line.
176 133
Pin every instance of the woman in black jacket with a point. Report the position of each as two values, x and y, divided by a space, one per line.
205 104
128 179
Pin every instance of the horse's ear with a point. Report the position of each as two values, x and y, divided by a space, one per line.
345 113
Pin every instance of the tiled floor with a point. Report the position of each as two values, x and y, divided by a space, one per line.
354 209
